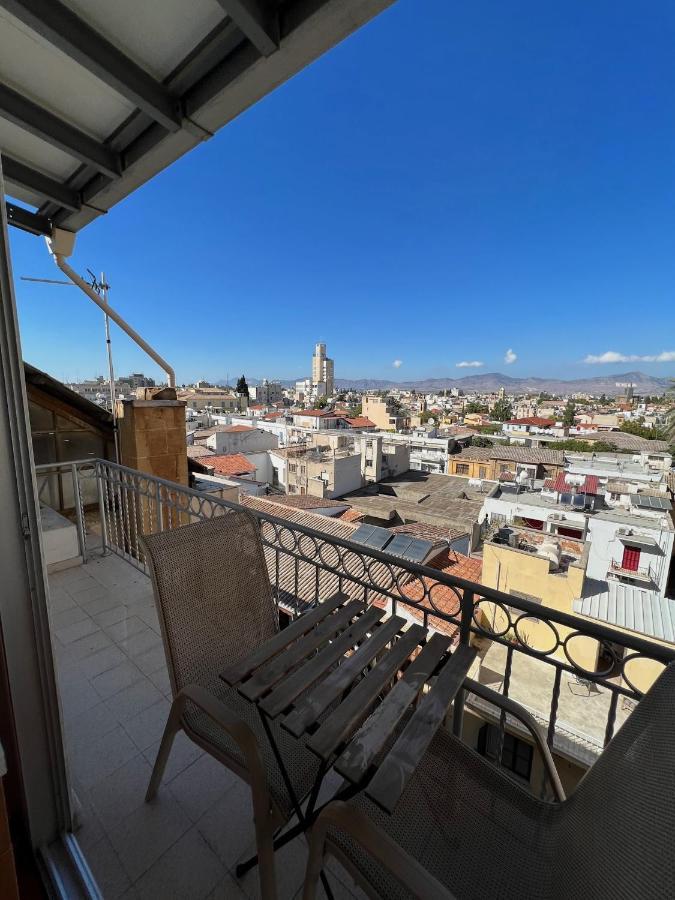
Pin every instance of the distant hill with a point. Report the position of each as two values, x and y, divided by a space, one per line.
492 381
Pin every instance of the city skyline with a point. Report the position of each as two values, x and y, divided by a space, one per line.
457 214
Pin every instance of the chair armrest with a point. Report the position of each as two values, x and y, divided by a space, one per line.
238 730
377 843
527 719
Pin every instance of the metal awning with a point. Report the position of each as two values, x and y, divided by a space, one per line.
97 97
640 540
631 607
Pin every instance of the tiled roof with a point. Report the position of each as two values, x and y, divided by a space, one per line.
197 451
533 420
350 515
273 415
304 501
232 429
231 464
560 485
430 532
445 599
528 455
360 422
473 453
317 413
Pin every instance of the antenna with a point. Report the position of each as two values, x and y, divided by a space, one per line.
101 287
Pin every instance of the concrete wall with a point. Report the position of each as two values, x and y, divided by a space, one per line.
342 474
607 547
242 441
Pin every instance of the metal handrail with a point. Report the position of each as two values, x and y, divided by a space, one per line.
132 502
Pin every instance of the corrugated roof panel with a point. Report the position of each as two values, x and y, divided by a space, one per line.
669 620
620 609
642 603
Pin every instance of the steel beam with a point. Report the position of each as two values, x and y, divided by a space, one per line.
44 124
65 30
27 221
18 173
257 21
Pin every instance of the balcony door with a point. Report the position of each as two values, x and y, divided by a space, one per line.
631 559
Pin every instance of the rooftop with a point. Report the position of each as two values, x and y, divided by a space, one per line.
230 464
532 420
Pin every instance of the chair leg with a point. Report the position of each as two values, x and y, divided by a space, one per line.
172 727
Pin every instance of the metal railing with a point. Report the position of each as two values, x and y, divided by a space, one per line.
308 564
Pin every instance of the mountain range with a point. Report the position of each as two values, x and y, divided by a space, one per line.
492 381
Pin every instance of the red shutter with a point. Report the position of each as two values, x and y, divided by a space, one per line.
631 559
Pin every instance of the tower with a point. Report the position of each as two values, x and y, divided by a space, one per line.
323 369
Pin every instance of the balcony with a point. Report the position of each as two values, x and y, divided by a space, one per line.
115 692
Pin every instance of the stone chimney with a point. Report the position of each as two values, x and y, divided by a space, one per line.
152 434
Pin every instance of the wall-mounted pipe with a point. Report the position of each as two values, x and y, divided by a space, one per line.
60 246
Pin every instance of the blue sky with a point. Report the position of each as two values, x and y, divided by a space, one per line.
445 186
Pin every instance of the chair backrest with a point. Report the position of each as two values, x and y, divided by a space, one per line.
618 828
213 595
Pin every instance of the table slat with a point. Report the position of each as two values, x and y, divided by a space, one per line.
373 734
393 774
268 676
353 709
304 623
309 709
293 685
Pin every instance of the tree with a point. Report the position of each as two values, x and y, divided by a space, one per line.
242 387
321 402
603 400
544 396
355 411
481 441
502 410
650 432
474 407
568 415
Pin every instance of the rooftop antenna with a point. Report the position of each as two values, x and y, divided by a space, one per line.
101 287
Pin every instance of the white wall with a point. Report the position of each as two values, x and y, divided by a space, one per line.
241 441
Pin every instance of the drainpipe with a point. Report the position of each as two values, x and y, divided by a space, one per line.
60 246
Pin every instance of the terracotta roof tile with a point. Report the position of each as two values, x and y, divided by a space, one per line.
360 422
533 420
230 464
232 429
350 515
318 413
305 501
430 532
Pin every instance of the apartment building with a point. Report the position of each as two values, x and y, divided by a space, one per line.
266 392
382 457
216 399
323 372
383 413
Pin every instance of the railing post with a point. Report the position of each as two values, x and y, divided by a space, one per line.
464 638
78 512
101 509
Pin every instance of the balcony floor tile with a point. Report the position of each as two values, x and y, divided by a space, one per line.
115 696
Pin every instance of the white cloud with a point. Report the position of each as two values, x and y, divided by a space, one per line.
510 357
469 364
397 363
611 356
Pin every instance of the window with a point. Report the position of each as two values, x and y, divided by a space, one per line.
516 754
462 468
631 559
482 471
292 467
504 467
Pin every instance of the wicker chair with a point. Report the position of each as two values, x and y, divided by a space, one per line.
215 605
463 829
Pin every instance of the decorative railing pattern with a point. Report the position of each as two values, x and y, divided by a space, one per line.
308 564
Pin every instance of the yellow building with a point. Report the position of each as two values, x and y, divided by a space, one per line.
381 411
491 462
535 570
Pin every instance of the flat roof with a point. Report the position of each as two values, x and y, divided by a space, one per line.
96 98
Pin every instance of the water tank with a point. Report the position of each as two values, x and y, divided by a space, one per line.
550 550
